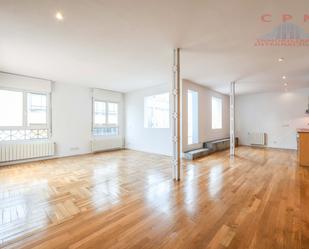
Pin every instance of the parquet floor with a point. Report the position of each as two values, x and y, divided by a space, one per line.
126 199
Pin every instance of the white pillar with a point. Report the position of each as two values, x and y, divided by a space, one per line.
232 119
176 116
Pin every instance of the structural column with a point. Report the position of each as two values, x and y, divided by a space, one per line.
232 119
176 116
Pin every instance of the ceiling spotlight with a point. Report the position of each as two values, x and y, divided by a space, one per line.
285 84
281 59
59 16
284 77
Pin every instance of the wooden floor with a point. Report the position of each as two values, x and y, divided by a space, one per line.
126 199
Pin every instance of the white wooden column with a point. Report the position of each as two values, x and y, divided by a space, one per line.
176 116
232 119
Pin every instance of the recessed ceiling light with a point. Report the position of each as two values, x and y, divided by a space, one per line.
285 84
281 59
59 16
284 77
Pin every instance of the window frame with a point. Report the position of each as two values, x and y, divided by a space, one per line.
93 114
221 101
38 126
107 114
107 124
25 125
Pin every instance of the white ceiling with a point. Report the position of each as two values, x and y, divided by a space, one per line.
125 45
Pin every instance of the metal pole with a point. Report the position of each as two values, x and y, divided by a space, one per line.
232 119
176 116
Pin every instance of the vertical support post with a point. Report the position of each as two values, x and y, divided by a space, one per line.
232 119
176 116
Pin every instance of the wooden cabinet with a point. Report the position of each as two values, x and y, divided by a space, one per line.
303 147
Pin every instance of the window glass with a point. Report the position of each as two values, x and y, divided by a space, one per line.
11 108
37 109
216 107
156 111
192 102
99 112
112 113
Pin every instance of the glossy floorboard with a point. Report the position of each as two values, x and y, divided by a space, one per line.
126 199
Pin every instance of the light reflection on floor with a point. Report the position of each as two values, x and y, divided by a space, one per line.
159 196
215 181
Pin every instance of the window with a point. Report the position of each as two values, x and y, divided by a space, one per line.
192 102
105 118
23 115
156 111
216 110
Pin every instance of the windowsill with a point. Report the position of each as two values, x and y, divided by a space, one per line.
153 128
25 141
105 137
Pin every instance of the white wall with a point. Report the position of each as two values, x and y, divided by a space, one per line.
71 119
206 133
278 114
145 139
71 112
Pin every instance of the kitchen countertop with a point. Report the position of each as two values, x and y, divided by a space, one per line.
303 130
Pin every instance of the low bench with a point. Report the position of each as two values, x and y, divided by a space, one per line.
209 147
195 154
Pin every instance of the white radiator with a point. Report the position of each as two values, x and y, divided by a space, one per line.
106 144
257 138
26 150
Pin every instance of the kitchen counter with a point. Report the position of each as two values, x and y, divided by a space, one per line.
303 130
303 147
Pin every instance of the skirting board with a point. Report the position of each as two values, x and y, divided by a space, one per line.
51 158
